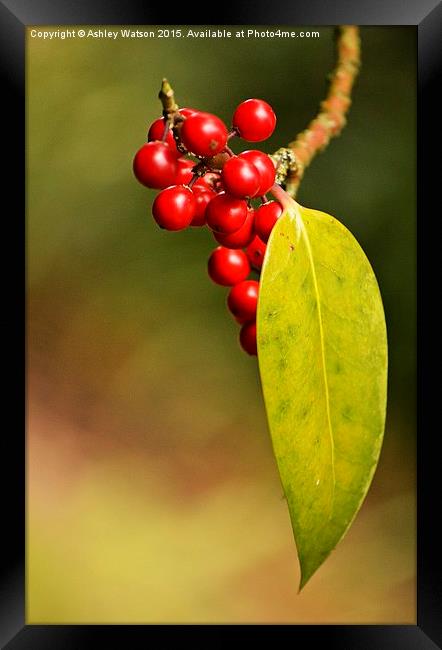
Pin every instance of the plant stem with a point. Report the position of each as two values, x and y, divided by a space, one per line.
167 97
193 180
292 161
330 120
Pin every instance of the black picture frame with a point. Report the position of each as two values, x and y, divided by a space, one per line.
15 16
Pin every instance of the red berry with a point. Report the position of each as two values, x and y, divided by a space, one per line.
184 173
156 132
204 134
264 165
240 178
240 238
187 112
243 299
255 252
247 338
265 218
210 181
202 198
225 213
155 165
254 120
228 267
174 207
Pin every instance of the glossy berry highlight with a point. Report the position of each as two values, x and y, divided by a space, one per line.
187 112
202 200
154 165
243 300
184 173
204 134
174 207
254 120
240 238
265 218
228 267
156 132
225 213
240 178
265 168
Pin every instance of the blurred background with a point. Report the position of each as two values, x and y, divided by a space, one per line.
153 494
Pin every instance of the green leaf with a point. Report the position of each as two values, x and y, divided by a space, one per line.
322 351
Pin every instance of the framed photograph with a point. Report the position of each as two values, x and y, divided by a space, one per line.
220 221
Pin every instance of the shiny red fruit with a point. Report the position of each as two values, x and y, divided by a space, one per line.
265 218
228 267
247 338
210 181
184 173
240 238
254 120
243 300
226 214
154 165
240 178
174 207
202 198
204 134
156 132
255 252
187 112
264 165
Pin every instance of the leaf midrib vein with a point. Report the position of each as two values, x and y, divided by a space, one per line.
324 367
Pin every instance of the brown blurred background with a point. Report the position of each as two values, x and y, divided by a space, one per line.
153 495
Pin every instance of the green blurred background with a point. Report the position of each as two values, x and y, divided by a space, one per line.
153 495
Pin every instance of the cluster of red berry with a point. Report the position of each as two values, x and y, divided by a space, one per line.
203 182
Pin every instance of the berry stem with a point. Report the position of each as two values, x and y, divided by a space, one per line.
198 172
280 195
330 119
165 130
193 180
